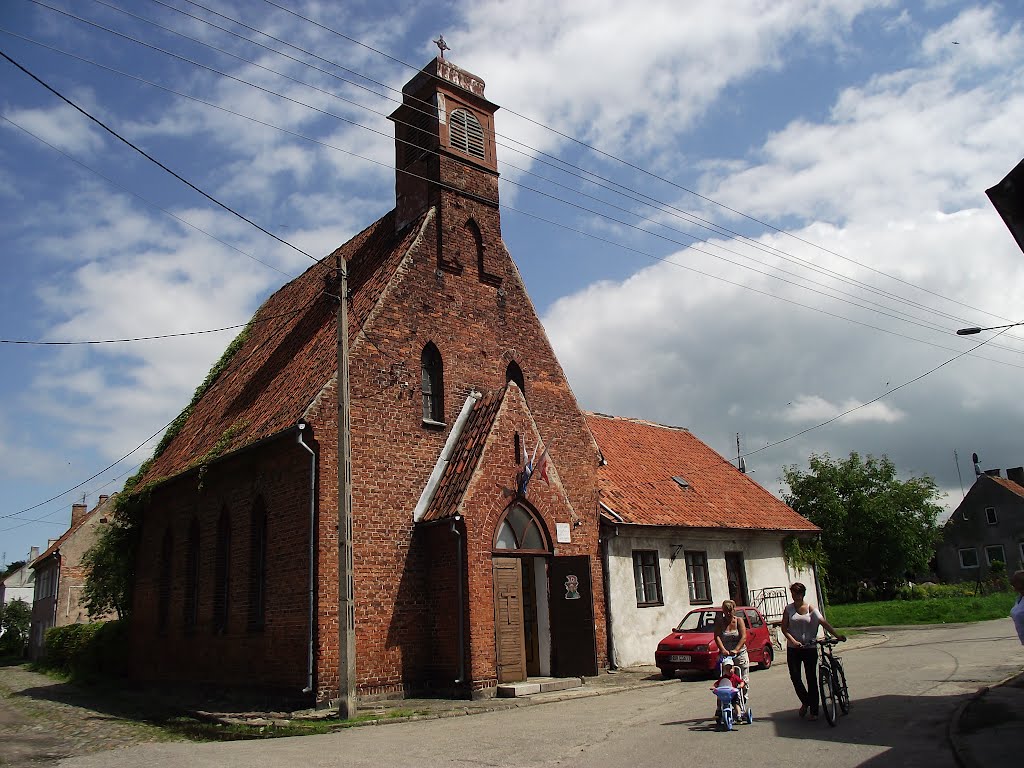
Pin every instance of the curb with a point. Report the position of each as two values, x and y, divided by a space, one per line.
505 704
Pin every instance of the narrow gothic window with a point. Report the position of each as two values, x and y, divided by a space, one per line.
164 588
432 384
192 576
222 577
518 447
258 565
466 133
515 373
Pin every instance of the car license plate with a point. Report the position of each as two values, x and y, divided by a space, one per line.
679 658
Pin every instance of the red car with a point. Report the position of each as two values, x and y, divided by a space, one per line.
691 645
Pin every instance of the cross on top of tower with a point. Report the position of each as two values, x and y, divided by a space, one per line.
442 45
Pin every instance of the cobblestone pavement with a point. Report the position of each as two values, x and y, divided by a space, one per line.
43 720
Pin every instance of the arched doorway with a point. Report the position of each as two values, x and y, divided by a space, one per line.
522 633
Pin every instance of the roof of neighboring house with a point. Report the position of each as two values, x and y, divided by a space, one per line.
637 481
290 352
107 505
464 458
1009 485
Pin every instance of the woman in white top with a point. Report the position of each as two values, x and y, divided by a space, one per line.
800 622
1017 612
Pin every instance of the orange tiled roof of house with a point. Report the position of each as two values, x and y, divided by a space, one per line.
638 485
290 353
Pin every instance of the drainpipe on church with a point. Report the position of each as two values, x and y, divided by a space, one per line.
312 548
460 600
346 585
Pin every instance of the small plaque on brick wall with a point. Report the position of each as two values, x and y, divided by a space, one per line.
562 531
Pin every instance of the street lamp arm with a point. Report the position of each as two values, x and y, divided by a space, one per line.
974 329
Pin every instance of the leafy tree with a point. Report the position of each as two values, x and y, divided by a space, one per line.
11 568
109 569
875 527
15 620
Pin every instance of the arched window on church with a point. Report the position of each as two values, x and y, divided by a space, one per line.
164 587
465 133
514 373
192 576
222 575
519 530
257 565
432 384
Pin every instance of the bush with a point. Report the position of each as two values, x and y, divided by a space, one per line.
88 652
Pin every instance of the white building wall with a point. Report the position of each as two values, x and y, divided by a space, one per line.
635 630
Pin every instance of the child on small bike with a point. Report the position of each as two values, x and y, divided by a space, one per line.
730 678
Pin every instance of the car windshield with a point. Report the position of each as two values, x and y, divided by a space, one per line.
698 621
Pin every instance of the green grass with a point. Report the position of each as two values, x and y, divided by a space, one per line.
936 610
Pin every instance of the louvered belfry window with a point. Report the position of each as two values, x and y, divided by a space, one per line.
466 134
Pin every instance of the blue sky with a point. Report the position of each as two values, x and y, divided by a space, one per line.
840 151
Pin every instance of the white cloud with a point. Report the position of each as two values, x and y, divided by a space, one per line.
61 126
812 409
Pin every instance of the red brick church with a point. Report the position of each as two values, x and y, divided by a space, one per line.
462 577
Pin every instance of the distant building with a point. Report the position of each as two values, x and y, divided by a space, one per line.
986 527
20 585
60 577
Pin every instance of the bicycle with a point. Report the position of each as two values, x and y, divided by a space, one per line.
832 681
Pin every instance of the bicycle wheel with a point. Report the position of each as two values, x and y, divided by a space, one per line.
842 692
828 696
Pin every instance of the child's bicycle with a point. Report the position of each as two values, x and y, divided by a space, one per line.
724 715
832 682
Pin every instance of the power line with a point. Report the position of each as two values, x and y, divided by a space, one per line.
152 159
140 197
632 166
148 338
615 188
222 376
388 165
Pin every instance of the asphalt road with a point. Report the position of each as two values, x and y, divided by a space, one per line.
904 691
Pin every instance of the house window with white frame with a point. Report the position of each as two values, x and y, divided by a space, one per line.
647 577
990 515
969 558
697 577
995 553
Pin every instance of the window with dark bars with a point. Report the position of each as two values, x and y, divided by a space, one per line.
697 576
647 577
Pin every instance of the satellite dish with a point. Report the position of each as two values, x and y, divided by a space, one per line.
974 458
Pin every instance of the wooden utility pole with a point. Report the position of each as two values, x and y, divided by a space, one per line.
346 585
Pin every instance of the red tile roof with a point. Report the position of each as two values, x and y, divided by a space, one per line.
1009 485
636 483
464 457
290 352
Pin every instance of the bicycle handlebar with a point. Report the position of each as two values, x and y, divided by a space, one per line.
830 641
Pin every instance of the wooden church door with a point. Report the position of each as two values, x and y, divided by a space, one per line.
509 635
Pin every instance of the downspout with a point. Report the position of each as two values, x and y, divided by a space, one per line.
607 597
312 540
459 599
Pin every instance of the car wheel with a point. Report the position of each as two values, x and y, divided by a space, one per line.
668 674
769 657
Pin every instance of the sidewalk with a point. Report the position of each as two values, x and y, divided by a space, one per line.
400 710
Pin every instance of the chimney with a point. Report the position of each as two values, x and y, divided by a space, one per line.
103 500
33 554
77 513
1016 474
993 472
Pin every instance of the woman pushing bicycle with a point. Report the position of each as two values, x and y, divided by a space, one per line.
800 622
